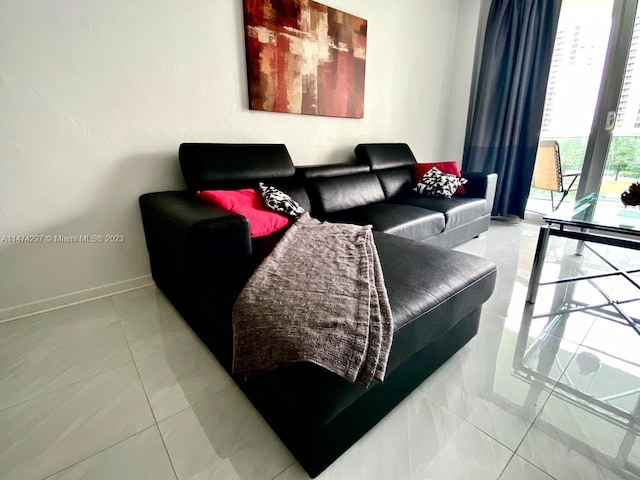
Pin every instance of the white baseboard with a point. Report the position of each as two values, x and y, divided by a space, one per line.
40 306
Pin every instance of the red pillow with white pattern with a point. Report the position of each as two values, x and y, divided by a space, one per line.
248 203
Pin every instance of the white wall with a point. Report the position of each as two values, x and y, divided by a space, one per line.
96 96
452 146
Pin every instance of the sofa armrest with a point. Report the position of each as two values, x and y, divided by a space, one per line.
481 185
180 227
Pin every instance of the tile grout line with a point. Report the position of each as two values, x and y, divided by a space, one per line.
535 466
77 382
98 452
437 402
539 414
153 414
513 451
44 394
190 406
579 344
285 469
147 355
440 404
196 403
513 454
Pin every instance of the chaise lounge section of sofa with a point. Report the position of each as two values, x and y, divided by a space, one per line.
201 256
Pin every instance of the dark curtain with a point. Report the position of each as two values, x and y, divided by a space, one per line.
509 104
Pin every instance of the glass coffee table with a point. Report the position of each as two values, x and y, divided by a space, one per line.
594 220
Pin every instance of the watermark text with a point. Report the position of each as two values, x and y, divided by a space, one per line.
59 238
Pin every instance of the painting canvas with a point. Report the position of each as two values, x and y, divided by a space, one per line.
305 57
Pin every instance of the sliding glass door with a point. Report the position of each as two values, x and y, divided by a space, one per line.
612 105
584 92
622 166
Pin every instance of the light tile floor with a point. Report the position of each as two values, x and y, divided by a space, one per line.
121 388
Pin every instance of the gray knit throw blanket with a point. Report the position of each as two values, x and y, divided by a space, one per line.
319 297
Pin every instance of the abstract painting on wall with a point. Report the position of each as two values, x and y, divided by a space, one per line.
305 57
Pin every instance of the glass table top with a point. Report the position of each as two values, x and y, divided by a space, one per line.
596 211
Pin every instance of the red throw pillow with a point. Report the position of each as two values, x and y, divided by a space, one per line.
419 169
249 204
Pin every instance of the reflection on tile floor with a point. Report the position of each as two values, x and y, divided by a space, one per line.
122 388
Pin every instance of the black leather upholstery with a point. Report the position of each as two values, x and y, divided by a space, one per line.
481 185
455 236
430 289
208 166
332 170
465 216
207 232
188 238
402 220
396 182
332 194
385 155
457 210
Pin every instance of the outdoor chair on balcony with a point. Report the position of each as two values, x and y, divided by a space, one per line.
547 172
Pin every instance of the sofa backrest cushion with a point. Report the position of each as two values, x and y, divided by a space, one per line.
396 182
385 155
332 194
333 170
210 166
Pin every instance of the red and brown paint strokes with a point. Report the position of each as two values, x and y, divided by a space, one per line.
305 57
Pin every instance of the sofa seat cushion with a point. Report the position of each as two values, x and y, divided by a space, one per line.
430 290
457 210
404 220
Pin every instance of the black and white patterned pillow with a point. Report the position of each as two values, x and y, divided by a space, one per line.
434 183
279 201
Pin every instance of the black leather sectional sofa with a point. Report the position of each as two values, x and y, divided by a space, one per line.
201 256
